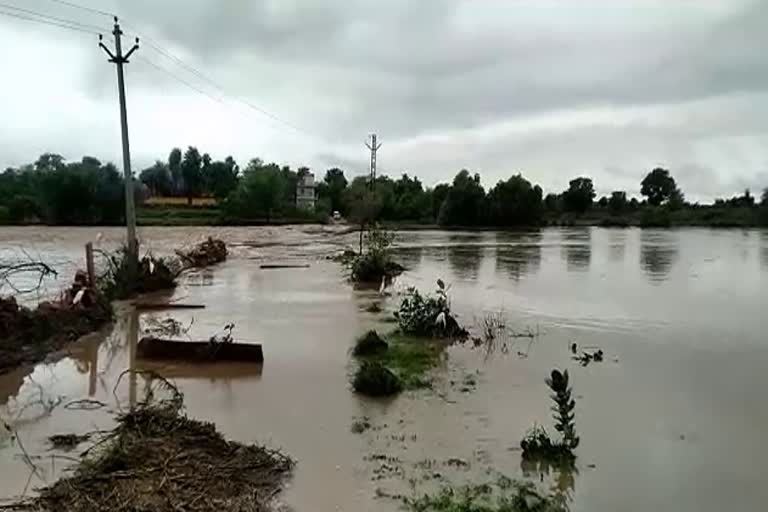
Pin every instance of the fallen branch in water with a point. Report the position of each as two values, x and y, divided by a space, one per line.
158 459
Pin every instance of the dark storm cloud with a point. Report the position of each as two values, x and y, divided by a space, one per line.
408 67
549 88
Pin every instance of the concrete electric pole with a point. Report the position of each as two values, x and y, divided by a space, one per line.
374 148
130 209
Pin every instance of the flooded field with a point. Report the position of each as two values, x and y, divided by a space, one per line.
674 418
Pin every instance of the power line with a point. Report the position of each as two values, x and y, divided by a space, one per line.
53 18
83 8
220 89
52 23
177 78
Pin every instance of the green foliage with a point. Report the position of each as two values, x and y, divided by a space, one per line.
564 406
157 179
465 202
618 201
374 379
55 192
332 188
220 178
192 173
537 444
369 344
515 203
174 166
504 496
408 358
659 187
428 316
375 263
259 194
153 274
578 198
655 217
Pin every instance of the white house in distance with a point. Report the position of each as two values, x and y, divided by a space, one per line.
305 192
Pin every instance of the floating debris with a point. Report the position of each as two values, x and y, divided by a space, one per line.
157 459
204 254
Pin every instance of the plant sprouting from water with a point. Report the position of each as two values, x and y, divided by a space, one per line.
537 444
375 262
563 409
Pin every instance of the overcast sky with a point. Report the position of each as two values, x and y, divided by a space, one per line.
552 89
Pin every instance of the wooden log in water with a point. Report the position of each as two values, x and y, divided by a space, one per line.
159 306
198 351
275 266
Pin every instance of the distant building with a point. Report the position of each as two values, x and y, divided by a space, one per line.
305 192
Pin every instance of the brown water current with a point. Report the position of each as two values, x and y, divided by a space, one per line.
674 418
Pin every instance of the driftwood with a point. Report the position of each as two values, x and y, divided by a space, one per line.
160 306
198 351
275 266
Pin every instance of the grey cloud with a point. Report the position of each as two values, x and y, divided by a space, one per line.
438 79
406 67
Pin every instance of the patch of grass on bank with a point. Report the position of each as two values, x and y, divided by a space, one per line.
400 363
177 216
412 359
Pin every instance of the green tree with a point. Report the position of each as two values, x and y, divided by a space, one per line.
157 179
659 187
174 166
552 203
764 199
618 201
411 201
82 193
49 162
191 172
578 198
221 177
259 193
438 196
515 202
332 188
465 203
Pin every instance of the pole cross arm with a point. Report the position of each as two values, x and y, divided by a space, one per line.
112 57
130 52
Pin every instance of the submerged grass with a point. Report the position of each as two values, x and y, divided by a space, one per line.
400 363
503 496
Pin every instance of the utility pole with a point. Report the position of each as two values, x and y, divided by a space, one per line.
130 210
374 148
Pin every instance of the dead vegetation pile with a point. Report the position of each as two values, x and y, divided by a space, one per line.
28 335
204 254
158 459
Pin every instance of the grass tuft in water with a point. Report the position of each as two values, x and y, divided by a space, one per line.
375 379
408 359
504 496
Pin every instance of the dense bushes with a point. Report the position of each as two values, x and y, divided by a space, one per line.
429 316
375 263
55 192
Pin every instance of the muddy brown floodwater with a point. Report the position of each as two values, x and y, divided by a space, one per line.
673 419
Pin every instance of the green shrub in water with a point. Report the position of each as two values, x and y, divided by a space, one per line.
375 379
537 443
153 274
369 344
428 316
375 263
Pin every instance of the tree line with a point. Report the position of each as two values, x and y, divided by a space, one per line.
53 191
